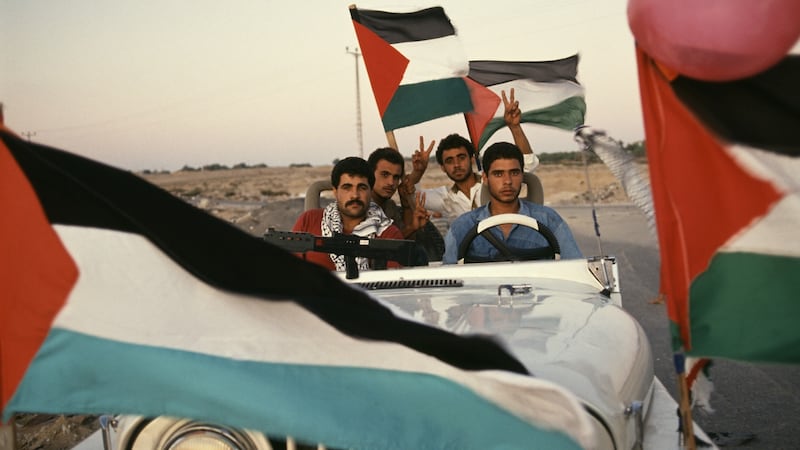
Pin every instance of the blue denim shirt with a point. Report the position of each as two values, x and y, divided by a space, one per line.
520 236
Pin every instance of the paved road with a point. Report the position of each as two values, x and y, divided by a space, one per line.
748 398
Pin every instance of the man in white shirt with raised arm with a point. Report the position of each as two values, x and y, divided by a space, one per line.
456 156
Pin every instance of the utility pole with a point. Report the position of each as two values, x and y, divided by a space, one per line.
28 134
356 54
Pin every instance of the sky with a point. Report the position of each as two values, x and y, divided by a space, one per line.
162 84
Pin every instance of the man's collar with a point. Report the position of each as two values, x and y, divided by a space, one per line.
380 201
454 187
520 209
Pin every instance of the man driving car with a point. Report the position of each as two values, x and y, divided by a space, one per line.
503 165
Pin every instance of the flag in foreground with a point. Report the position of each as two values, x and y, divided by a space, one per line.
548 92
114 291
415 63
724 163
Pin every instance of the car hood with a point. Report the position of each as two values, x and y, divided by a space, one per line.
557 318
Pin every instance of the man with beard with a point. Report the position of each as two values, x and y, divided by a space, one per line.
352 212
502 174
456 155
389 168
412 218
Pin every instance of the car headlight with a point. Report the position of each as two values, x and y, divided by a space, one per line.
198 436
168 433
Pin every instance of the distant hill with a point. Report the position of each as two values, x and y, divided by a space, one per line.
549 158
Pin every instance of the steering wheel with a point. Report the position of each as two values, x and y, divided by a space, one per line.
552 251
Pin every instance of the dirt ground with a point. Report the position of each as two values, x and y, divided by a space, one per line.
257 198
562 184
52 432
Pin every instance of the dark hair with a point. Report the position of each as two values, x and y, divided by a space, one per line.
453 141
353 166
501 150
388 154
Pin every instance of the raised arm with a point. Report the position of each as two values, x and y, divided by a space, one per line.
419 162
512 115
415 216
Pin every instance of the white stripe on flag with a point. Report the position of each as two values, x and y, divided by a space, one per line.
433 59
777 232
534 95
780 170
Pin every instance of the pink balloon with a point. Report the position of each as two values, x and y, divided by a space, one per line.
715 40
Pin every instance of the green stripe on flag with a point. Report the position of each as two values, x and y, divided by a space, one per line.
745 307
348 407
420 102
675 332
565 115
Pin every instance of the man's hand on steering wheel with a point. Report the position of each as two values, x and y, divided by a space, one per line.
482 228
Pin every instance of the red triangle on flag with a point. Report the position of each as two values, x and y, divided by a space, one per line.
36 274
385 65
484 103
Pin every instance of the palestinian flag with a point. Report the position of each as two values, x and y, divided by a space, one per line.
548 93
724 162
114 291
415 63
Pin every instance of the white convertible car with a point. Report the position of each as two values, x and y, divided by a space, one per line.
563 319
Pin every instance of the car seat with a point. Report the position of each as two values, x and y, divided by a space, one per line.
533 185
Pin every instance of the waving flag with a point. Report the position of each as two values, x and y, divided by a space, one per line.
415 63
114 291
725 169
548 93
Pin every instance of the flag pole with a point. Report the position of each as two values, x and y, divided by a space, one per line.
474 144
391 140
8 439
685 405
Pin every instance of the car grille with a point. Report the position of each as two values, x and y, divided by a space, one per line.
411 284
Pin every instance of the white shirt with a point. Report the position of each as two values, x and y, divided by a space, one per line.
451 202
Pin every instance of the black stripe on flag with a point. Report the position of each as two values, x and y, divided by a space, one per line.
395 28
762 111
78 191
490 73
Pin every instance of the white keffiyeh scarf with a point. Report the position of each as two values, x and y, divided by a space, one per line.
373 225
